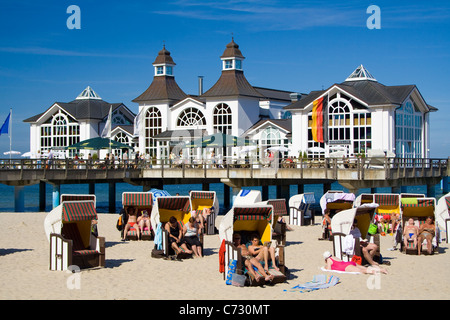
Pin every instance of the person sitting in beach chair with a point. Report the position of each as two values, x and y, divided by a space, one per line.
262 252
191 232
410 233
176 239
131 223
250 261
427 231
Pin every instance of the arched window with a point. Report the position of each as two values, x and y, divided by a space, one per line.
348 126
222 119
153 126
58 132
191 117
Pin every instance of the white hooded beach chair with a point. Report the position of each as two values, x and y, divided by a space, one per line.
443 215
68 229
164 208
300 213
344 245
247 220
247 197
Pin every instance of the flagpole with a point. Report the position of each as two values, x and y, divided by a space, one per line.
10 133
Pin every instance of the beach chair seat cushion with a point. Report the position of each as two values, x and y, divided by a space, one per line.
84 252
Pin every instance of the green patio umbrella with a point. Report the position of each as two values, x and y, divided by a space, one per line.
218 140
97 144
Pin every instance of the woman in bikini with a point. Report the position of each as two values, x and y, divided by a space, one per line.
335 264
410 233
131 222
427 232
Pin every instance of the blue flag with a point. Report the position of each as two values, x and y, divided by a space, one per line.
5 126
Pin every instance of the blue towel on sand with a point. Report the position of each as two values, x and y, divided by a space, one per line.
319 281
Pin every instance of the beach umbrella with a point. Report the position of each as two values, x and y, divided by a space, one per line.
11 152
28 154
316 149
97 144
248 148
279 148
218 140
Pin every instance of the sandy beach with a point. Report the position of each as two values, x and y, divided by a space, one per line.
131 273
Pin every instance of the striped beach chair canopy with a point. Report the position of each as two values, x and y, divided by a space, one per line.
279 207
137 199
418 207
253 213
202 195
387 199
78 197
174 203
78 211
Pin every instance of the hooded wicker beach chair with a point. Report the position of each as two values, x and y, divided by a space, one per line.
142 202
164 208
335 201
419 209
248 220
341 226
300 213
443 215
68 229
200 200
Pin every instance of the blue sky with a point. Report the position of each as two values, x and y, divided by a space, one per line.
290 45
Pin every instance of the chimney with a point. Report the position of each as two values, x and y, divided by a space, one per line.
200 85
295 96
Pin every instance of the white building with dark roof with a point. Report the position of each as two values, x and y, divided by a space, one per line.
66 123
362 115
231 106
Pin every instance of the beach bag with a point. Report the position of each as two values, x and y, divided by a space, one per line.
238 280
231 270
119 224
373 229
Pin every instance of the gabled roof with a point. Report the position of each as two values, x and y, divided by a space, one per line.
371 92
162 88
232 83
285 124
88 105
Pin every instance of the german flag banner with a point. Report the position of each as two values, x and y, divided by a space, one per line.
319 106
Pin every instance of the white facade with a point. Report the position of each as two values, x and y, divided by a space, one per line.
362 115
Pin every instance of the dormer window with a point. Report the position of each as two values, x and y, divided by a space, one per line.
160 70
238 64
169 70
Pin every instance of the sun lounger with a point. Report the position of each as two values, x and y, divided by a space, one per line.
68 228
